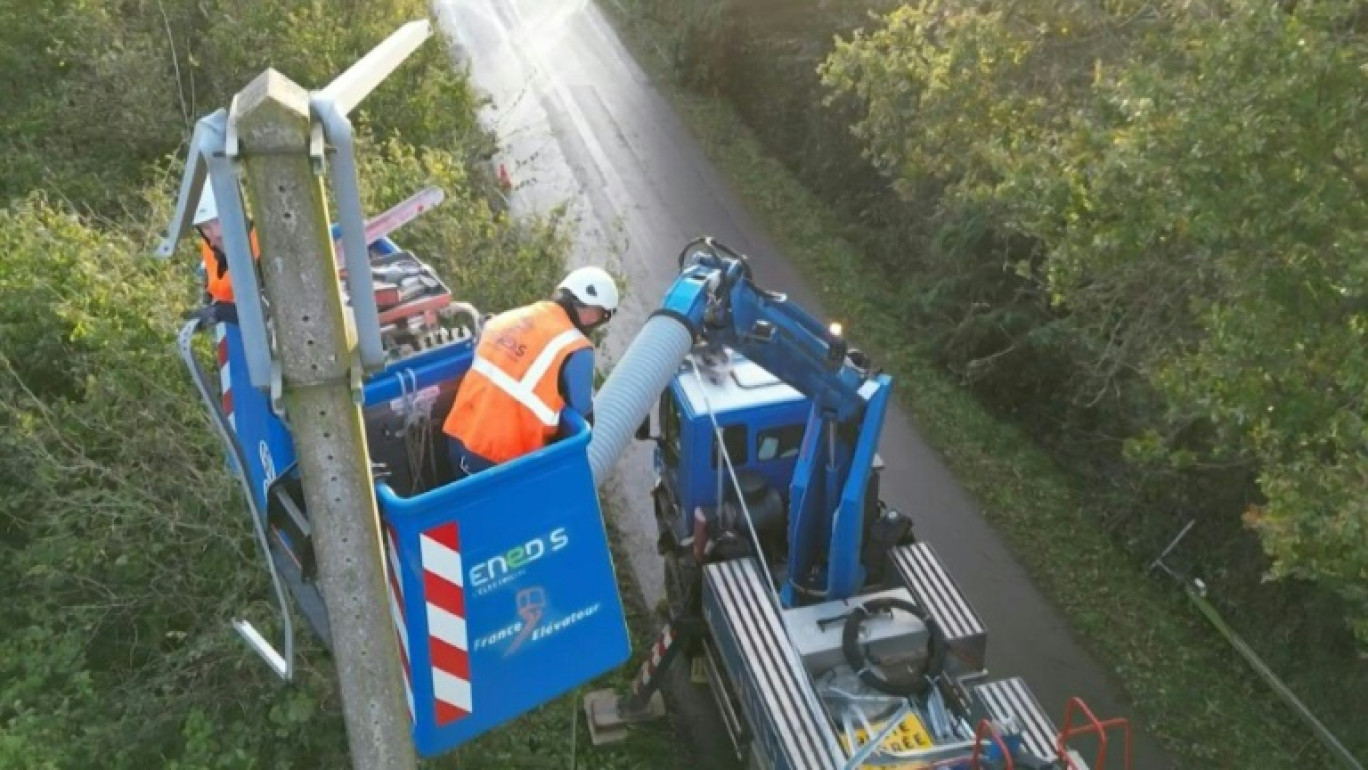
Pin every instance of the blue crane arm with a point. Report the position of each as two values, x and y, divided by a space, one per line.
715 302
724 306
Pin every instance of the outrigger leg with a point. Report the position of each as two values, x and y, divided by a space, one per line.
610 715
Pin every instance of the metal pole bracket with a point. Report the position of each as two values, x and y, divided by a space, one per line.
318 149
212 155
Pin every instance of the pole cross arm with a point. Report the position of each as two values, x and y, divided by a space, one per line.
331 106
354 85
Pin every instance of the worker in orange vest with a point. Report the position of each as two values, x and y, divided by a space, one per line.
530 363
218 288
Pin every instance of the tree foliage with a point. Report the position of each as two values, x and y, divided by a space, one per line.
1191 188
125 541
98 91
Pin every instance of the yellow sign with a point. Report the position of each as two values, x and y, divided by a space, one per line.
909 736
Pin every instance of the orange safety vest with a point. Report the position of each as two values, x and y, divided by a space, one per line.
509 403
217 282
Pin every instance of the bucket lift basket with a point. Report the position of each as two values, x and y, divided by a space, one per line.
502 589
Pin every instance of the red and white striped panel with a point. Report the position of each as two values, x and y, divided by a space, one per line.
444 589
225 374
396 601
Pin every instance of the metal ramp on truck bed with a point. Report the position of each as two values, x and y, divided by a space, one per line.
788 719
925 576
1007 700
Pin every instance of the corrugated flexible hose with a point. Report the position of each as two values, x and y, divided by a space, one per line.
633 387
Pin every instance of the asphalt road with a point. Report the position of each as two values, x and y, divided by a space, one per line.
583 127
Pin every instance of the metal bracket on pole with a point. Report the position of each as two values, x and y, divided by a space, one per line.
331 106
214 151
206 140
318 150
212 148
242 269
276 395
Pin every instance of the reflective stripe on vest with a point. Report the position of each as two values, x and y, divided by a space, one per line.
524 391
509 402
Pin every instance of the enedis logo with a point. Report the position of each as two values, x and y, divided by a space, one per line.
500 569
510 340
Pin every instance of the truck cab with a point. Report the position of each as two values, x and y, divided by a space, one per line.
762 421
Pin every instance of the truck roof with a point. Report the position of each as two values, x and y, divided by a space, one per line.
735 384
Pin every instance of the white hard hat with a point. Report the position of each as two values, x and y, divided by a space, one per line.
592 286
208 206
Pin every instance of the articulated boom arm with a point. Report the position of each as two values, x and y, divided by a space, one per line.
775 333
833 470
714 301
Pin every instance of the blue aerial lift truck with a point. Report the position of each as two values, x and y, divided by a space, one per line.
818 619
829 636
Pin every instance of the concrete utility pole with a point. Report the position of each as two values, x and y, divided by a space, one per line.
316 352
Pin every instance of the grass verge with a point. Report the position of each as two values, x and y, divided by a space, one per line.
1187 688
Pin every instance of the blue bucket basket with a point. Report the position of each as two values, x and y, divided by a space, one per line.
502 591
